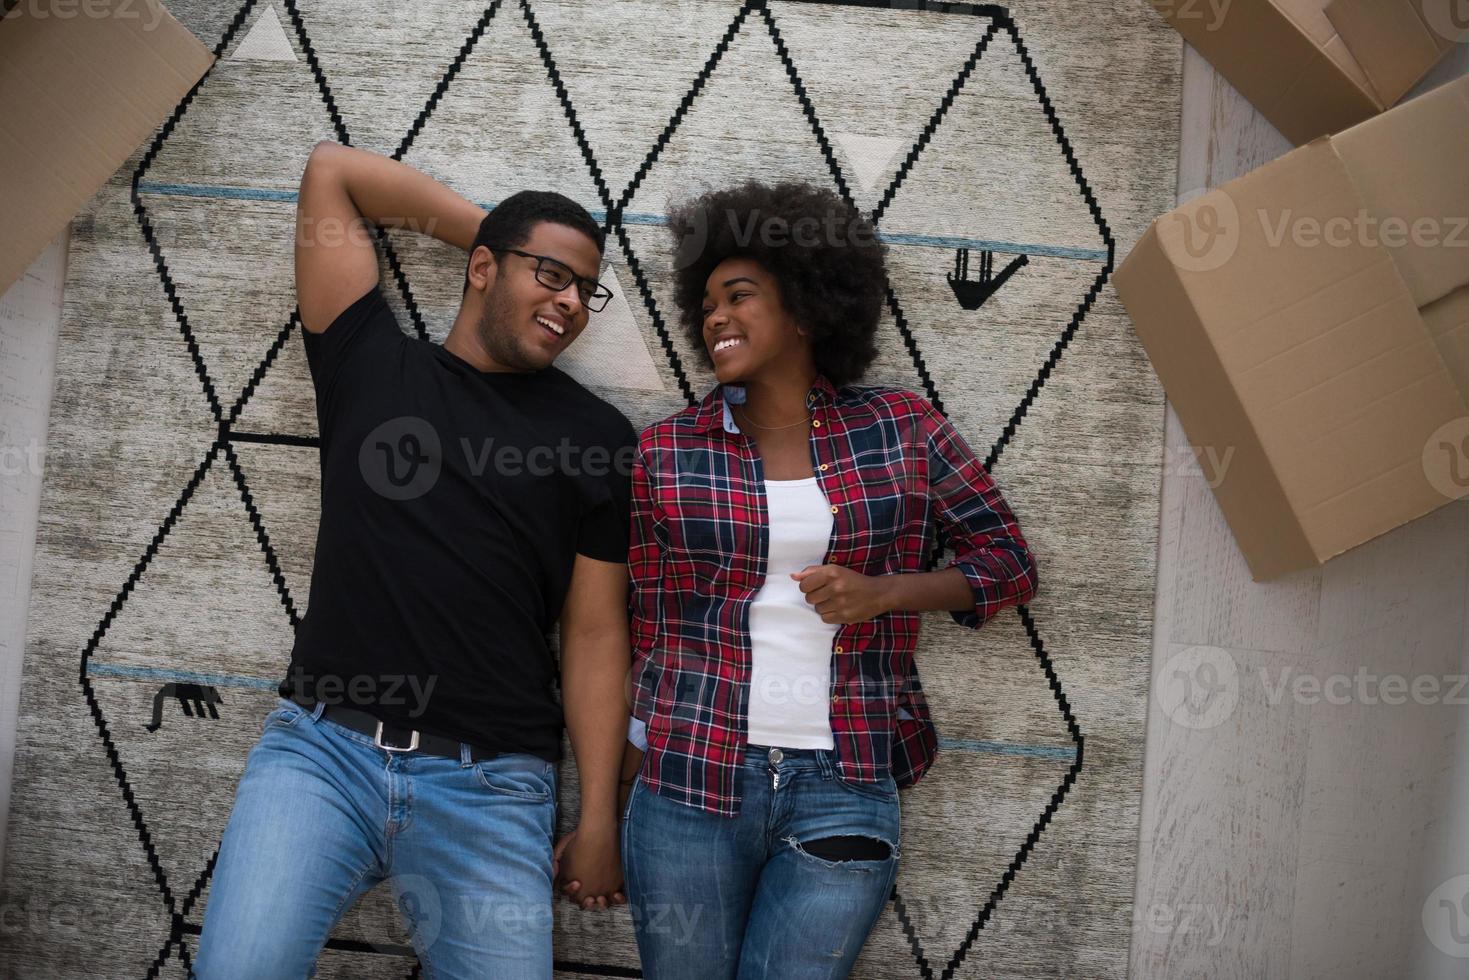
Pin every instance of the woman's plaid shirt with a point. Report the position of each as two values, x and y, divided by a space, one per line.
893 470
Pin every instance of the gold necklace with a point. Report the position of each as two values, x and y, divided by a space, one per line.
770 428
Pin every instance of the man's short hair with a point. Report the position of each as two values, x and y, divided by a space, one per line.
509 224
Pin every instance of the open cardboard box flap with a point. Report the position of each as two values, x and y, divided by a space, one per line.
81 92
1290 338
1392 40
1314 67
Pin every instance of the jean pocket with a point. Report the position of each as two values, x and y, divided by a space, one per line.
286 714
534 783
884 789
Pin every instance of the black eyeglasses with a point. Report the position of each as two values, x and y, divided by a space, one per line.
557 276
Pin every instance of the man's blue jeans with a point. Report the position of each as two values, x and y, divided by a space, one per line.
321 815
751 896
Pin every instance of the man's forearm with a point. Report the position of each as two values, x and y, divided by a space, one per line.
386 192
592 673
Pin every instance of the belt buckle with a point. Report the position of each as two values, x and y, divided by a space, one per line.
377 739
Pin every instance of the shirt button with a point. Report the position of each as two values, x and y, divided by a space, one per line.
833 509
839 649
815 423
823 466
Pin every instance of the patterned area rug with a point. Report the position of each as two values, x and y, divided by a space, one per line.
1006 156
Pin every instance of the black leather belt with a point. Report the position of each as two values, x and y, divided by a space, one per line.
392 737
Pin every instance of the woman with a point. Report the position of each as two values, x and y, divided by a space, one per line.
781 529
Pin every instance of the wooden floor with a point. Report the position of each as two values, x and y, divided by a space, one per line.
30 317
1291 838
1280 837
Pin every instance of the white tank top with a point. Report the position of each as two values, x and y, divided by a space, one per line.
790 680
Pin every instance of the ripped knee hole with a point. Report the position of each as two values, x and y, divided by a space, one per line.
850 847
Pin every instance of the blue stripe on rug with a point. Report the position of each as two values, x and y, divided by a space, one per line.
639 218
256 684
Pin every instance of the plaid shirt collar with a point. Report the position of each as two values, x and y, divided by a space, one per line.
714 409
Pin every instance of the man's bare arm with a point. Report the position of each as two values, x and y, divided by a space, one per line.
343 192
596 651
595 654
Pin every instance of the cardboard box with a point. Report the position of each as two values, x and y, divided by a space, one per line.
85 83
1310 324
1314 67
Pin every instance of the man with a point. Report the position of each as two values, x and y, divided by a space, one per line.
473 495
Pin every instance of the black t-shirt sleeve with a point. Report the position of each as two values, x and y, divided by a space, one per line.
338 353
604 529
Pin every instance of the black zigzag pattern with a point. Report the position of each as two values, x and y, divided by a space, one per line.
999 21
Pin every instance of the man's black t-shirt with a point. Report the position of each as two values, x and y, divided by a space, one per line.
453 504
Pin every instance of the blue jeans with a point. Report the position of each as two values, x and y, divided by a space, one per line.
716 897
321 815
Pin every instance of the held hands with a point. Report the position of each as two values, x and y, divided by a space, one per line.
587 866
842 595
586 863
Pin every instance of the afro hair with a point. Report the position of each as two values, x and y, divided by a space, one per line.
826 258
